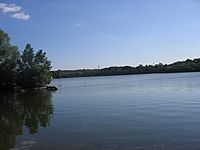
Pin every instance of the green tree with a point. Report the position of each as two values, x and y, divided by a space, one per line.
34 70
41 69
25 76
9 58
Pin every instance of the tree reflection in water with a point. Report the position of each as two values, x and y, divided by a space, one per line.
31 109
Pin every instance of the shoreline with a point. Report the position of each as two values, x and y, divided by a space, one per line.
127 74
19 90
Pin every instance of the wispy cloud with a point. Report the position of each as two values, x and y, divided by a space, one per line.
20 15
79 24
14 11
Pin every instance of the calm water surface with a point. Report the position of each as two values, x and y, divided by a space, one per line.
134 112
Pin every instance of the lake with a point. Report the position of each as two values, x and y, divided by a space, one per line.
132 112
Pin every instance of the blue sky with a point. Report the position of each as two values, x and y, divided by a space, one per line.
87 33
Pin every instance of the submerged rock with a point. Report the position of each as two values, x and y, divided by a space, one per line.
51 88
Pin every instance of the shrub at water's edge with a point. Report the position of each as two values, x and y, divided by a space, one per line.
26 70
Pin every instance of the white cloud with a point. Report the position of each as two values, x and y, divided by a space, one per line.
9 8
20 15
14 11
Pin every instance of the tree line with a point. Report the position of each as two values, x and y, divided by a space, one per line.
26 69
180 66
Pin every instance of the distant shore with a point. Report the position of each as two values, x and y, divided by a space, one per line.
177 67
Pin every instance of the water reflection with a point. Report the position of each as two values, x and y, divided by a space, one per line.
32 109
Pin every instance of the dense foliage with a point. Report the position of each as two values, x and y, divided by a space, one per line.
180 66
26 70
9 58
34 69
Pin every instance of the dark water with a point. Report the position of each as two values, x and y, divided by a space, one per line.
136 112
